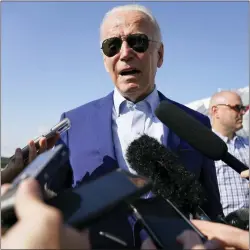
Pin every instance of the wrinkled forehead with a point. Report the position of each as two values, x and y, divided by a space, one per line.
123 23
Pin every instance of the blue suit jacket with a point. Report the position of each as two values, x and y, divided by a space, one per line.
92 149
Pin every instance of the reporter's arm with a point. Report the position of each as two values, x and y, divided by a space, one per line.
227 236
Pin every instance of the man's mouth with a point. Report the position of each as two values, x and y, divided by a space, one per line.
129 72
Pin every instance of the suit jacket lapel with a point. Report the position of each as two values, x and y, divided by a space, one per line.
104 127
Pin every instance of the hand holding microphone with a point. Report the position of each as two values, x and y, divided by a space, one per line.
26 155
17 162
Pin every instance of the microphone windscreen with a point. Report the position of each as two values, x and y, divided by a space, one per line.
191 130
239 218
171 180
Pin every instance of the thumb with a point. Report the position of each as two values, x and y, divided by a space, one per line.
28 199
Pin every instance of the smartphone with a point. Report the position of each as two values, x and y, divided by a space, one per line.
42 168
163 222
60 128
85 204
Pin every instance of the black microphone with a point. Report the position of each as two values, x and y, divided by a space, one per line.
170 178
239 218
197 135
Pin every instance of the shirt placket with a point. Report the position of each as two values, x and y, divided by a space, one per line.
138 121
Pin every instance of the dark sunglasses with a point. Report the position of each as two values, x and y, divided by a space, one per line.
238 108
138 42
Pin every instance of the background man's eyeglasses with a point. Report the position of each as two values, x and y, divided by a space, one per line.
238 108
138 42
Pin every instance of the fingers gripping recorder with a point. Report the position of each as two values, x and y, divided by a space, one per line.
19 161
59 128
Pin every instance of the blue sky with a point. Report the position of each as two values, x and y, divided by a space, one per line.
51 58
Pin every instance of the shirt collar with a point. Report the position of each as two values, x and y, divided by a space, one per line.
152 99
225 138
118 100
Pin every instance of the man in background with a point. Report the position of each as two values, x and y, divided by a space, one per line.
226 111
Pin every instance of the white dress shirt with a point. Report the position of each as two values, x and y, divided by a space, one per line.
131 120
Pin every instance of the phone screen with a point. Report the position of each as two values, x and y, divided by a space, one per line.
89 201
41 162
163 222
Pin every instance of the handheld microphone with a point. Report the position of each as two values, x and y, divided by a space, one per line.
169 177
60 128
197 135
239 218
12 169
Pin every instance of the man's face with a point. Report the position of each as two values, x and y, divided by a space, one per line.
229 117
140 81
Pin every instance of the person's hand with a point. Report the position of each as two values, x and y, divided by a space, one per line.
220 236
148 244
44 145
16 164
14 167
39 226
245 174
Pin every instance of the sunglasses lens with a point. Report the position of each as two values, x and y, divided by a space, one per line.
239 108
138 42
111 46
242 108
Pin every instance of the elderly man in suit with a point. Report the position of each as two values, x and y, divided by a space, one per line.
101 130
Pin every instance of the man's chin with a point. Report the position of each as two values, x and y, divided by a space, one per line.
239 127
130 91
130 87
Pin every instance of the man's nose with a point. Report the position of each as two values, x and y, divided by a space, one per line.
126 52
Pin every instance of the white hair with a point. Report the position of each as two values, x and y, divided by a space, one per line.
141 8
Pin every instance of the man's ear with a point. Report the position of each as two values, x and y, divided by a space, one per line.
160 55
214 112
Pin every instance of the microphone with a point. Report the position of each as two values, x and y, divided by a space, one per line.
197 135
239 218
169 177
